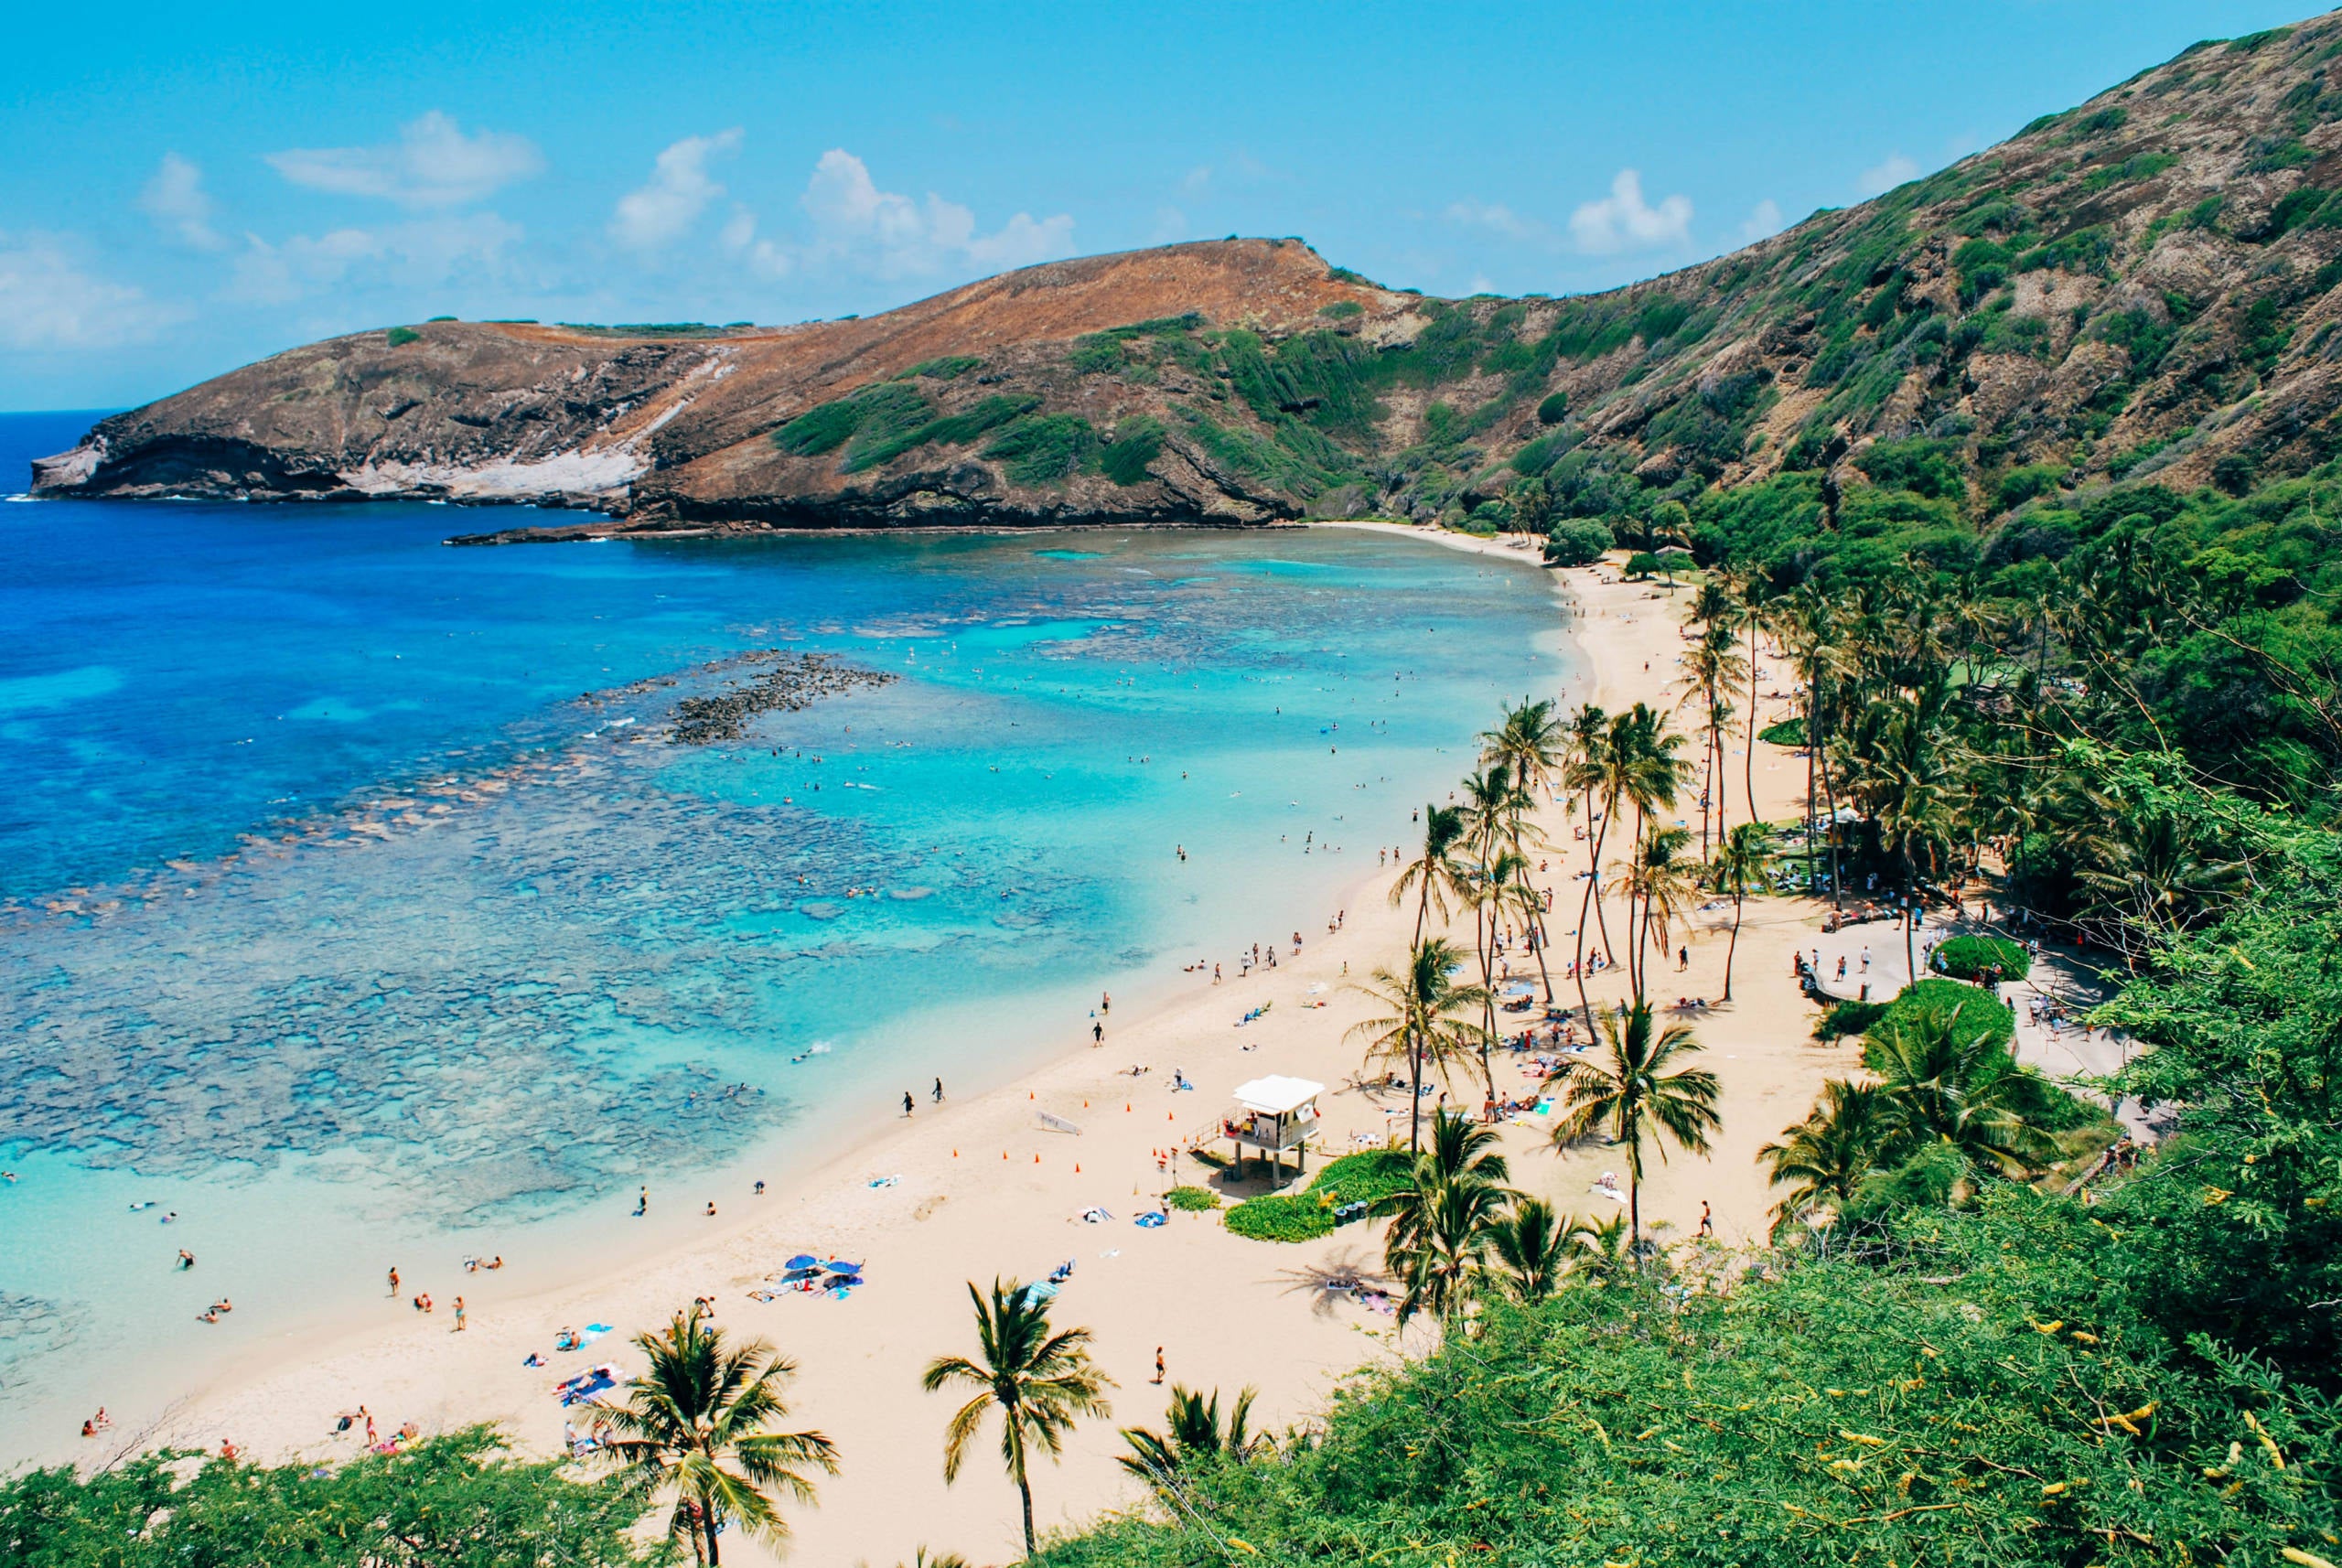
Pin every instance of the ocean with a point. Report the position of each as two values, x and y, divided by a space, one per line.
355 906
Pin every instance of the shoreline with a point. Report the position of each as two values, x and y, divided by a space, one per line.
949 1216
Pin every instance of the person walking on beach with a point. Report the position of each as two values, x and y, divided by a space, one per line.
395 1280
907 1103
459 1314
642 1203
1707 1218
1158 1364
938 1091
1097 1032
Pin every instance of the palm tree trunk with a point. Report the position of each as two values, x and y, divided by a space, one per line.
1748 768
1024 1490
1812 749
1592 897
1414 1043
1733 945
707 1519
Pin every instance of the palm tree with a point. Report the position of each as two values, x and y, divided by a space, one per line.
1742 861
1663 881
1756 616
1040 1383
1462 1152
1428 1018
1823 1159
1534 742
1193 1434
1714 664
1443 1258
1946 1078
695 1422
1587 773
1604 1248
1633 1093
1436 875
1531 1244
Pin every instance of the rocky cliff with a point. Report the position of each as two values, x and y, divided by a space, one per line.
2142 284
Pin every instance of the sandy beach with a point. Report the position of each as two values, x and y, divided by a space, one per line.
969 1190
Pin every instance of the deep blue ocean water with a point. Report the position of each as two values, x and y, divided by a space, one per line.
351 900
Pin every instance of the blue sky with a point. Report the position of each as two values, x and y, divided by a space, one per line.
188 187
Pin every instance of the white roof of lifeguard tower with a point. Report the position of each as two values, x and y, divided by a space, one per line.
1277 1096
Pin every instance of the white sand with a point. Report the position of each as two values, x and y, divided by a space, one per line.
985 1191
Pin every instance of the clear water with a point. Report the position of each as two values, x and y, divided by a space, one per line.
335 920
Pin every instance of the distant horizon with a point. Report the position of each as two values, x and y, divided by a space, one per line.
182 203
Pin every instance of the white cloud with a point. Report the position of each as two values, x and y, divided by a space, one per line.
856 223
1624 221
1197 180
48 302
1764 220
174 198
763 257
429 252
1170 226
679 191
433 165
1895 171
1495 216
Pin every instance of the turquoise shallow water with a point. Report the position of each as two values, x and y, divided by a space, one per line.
334 922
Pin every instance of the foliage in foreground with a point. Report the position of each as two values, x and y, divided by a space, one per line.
1986 1397
457 1499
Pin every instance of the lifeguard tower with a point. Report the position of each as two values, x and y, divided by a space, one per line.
1277 1116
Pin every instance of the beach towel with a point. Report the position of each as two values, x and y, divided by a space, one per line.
1151 1221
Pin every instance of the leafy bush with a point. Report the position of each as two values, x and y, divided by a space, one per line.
1555 409
1306 1215
456 1498
399 337
1929 999
1972 958
1137 443
1789 731
1642 564
1845 1018
1043 450
1577 541
1931 469
1341 310
1195 1199
1976 1395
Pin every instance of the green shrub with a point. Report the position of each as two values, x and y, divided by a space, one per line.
444 318
1137 443
1642 564
1044 450
1849 1018
951 430
1306 1215
1578 541
1789 731
2019 486
1341 310
460 1498
1194 1199
1972 958
1932 998
398 337
1555 409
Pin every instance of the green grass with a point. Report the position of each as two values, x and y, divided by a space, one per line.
1309 1214
951 430
951 368
1341 310
1194 1199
